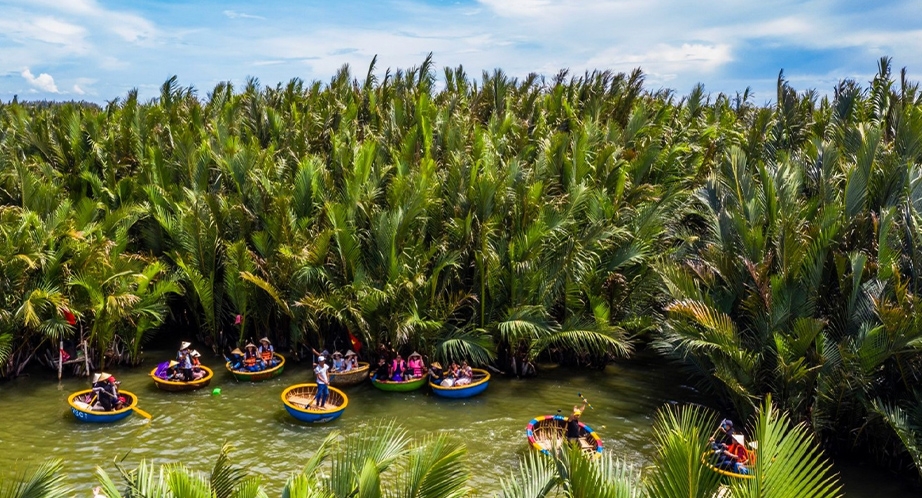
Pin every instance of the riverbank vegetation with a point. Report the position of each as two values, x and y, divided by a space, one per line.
767 248
385 461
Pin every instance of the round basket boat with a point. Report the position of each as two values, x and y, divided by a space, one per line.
266 374
726 473
402 386
172 385
350 378
548 432
79 405
479 385
298 400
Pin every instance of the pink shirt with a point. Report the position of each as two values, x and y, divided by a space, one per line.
416 366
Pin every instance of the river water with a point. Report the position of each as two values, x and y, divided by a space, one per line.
36 423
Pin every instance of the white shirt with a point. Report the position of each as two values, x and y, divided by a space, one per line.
321 372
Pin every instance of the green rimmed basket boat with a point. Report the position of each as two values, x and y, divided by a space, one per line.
266 374
403 386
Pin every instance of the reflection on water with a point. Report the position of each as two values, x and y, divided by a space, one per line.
35 422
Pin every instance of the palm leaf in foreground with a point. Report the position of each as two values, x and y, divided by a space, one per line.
45 481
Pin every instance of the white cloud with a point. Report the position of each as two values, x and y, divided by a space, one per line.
239 15
43 81
78 90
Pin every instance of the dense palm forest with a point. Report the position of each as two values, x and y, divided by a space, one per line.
767 248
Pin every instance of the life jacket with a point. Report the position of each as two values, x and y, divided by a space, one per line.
742 456
266 354
249 359
398 366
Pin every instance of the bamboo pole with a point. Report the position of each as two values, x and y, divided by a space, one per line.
60 359
86 359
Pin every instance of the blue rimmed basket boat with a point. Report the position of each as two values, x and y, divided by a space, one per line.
479 385
548 432
79 405
298 401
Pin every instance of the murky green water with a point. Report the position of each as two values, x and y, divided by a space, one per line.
36 423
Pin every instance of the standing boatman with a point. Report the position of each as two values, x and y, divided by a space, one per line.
185 361
321 373
574 431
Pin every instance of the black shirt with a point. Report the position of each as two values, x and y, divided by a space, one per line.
573 429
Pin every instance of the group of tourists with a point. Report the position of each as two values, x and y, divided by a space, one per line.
253 358
456 375
105 393
337 362
398 369
729 449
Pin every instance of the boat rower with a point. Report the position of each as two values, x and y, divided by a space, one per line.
574 431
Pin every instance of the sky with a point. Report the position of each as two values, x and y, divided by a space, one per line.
98 50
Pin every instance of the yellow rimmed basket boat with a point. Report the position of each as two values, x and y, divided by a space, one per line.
350 378
299 401
80 406
175 386
706 461
266 374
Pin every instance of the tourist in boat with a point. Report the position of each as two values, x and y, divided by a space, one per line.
321 374
382 372
198 372
435 373
266 352
398 367
338 362
185 361
465 374
415 366
574 431
172 373
251 360
352 361
105 389
734 457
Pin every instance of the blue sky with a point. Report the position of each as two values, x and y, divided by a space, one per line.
98 50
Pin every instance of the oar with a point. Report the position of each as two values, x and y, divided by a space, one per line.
142 413
585 400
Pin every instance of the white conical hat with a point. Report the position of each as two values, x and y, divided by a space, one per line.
740 439
185 345
96 377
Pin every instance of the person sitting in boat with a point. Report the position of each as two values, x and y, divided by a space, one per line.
735 457
382 372
451 376
415 366
338 362
398 367
236 359
321 375
185 361
198 372
172 373
352 361
465 374
267 353
105 388
574 431
435 373
251 360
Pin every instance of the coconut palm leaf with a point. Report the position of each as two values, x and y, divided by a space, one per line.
436 468
44 481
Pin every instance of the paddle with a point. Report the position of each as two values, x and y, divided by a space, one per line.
585 400
142 413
